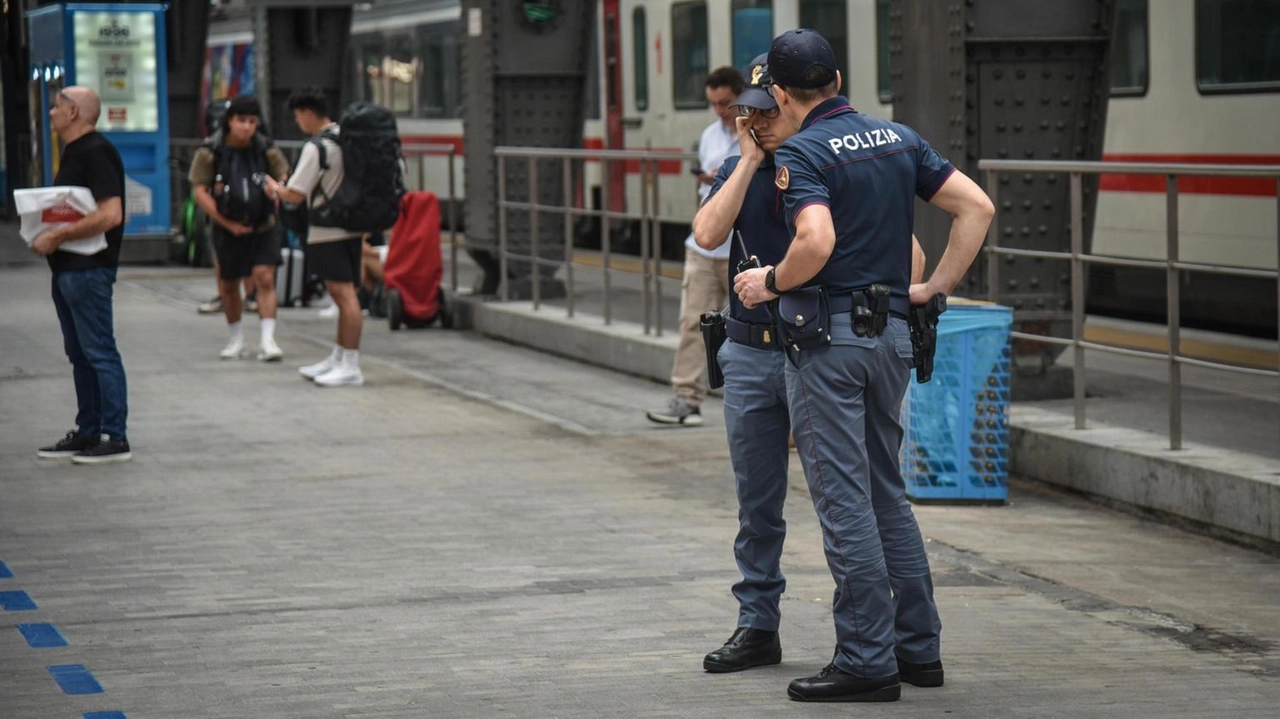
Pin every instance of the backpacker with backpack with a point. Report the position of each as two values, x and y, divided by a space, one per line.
239 176
368 198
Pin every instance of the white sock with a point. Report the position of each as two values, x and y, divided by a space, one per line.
237 329
269 329
336 356
351 358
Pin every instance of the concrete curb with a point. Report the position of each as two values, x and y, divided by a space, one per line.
1226 490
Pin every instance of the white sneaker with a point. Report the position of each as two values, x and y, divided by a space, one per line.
329 312
270 351
234 349
312 371
341 376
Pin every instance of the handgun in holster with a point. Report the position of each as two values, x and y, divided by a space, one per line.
923 321
713 335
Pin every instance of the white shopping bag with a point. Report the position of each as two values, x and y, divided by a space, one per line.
44 208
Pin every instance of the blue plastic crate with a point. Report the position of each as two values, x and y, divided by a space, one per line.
956 427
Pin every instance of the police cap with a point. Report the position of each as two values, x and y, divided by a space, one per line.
757 80
803 59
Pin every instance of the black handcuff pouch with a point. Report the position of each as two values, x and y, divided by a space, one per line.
804 318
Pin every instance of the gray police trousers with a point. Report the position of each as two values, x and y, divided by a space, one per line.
845 402
758 426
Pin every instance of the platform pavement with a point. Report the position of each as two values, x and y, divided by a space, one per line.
488 531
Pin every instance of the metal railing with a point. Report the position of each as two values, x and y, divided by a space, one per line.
415 155
1171 265
649 218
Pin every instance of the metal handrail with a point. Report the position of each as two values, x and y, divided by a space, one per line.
648 216
1171 264
410 150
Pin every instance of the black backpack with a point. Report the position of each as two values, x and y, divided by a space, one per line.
368 199
239 178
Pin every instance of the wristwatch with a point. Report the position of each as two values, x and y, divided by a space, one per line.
769 282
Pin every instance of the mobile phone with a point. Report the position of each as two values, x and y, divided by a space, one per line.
695 171
753 136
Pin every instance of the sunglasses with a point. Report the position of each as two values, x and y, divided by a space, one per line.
744 111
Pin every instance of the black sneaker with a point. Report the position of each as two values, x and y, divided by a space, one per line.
103 452
68 446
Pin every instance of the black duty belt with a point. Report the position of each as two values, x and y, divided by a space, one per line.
760 336
846 301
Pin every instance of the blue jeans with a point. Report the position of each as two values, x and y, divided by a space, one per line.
845 402
83 301
756 419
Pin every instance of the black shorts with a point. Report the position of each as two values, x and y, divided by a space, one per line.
237 256
337 260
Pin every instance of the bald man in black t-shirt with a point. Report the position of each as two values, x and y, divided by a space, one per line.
82 284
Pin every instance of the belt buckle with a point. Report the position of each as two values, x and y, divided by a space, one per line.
766 337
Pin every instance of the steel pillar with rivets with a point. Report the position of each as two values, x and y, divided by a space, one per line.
524 85
1009 79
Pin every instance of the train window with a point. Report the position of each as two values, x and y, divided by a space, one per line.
829 17
438 71
883 85
1129 49
400 68
369 66
1238 45
689 55
752 29
640 58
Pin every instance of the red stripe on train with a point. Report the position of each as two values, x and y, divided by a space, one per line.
665 167
1241 186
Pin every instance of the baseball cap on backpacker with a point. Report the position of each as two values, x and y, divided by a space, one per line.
757 80
802 59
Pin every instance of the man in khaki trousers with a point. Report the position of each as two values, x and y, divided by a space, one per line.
706 272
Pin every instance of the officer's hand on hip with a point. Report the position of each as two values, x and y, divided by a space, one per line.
749 286
921 294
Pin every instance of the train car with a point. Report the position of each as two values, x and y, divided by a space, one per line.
1194 81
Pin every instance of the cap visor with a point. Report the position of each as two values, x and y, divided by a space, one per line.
757 98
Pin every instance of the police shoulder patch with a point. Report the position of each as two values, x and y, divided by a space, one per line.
783 179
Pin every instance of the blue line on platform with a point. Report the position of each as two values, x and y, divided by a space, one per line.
5 572
75 679
42 636
104 715
17 601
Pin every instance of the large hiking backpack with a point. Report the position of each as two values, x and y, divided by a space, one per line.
238 179
368 199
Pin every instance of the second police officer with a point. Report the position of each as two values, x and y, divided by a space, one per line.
744 199
848 184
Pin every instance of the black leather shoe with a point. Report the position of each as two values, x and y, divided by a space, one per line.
833 685
928 674
745 649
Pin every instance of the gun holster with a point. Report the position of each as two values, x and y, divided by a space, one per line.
713 336
923 321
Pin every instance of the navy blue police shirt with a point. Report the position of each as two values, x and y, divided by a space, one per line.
868 172
762 226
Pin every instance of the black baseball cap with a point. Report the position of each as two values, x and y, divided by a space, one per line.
757 80
803 59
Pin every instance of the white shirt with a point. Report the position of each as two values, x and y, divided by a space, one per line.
308 173
719 142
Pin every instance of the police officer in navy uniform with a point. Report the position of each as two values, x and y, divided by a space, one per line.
744 198
848 184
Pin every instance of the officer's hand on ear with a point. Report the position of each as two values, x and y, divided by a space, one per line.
751 150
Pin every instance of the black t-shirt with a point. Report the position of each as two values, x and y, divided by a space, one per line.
92 162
